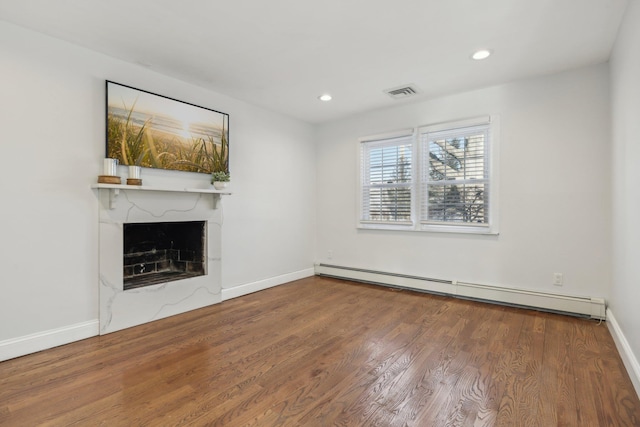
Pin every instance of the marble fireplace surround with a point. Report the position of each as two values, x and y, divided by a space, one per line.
120 204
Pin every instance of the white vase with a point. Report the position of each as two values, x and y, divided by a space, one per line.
219 185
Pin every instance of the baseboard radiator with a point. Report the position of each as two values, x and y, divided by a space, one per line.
594 308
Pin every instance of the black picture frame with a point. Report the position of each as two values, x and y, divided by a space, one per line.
156 131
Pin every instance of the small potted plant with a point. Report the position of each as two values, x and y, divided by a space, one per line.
220 179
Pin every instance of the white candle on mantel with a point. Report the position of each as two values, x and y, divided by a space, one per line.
134 172
111 167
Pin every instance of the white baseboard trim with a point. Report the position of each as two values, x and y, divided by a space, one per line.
626 353
21 346
28 344
586 306
238 291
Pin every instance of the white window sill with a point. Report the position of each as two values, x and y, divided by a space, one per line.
366 225
458 229
430 228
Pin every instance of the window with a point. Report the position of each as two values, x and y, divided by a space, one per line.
387 179
445 182
455 176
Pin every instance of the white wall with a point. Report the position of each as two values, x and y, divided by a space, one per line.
554 189
625 113
52 142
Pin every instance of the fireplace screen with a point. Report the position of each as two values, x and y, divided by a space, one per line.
161 252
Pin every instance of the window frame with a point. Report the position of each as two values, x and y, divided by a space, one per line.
491 149
418 165
381 139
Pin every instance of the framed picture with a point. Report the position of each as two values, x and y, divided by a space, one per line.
155 131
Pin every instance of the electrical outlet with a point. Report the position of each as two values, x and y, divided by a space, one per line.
558 279
329 254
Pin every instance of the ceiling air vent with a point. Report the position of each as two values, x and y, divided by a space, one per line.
402 91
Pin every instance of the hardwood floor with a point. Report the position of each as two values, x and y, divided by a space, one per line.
323 352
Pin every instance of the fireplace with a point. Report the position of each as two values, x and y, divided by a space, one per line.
160 252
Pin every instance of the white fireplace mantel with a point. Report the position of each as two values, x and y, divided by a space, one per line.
120 308
114 191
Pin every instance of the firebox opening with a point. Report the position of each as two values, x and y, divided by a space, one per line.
160 252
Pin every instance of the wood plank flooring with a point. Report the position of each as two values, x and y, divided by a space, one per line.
325 352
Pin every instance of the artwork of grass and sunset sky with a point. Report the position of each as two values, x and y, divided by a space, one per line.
153 131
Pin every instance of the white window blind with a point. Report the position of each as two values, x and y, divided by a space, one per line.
386 180
454 184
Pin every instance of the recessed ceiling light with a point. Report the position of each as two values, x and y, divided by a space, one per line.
481 54
326 97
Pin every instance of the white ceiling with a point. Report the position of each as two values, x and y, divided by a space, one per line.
283 54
